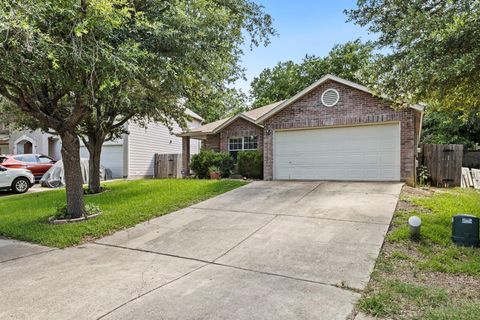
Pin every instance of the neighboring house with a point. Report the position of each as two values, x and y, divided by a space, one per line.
35 142
4 139
333 130
133 155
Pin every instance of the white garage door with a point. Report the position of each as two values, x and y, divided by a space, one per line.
346 153
112 158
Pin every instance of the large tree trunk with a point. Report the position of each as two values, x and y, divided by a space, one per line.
73 174
95 151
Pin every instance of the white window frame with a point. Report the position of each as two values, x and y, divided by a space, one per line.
243 143
230 138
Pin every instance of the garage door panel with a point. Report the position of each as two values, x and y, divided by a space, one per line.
112 158
349 153
371 159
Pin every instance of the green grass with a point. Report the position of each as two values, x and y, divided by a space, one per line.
125 204
440 254
396 295
436 221
465 311
406 283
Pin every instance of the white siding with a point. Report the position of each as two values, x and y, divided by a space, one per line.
143 143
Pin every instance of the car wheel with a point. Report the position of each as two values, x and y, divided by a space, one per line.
20 185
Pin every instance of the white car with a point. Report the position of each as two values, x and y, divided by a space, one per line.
16 180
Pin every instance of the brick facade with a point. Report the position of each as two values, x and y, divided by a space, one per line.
241 128
238 128
212 142
354 107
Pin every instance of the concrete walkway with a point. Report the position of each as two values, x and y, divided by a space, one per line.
269 250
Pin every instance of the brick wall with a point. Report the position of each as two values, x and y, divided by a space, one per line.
354 107
241 128
212 142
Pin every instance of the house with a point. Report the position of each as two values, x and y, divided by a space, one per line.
4 139
34 142
131 156
334 129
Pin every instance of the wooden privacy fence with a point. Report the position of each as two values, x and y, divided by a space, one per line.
168 166
444 164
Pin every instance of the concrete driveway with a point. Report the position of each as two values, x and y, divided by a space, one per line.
34 189
269 250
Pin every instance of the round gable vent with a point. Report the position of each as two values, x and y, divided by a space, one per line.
330 97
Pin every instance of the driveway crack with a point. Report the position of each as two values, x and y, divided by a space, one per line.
150 291
29 255
309 192
246 238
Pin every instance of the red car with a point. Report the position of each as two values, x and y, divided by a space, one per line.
38 164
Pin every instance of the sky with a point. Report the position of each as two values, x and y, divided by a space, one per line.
304 27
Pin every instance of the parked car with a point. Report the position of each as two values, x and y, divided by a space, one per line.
16 180
38 164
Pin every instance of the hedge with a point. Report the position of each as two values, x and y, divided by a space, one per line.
202 161
250 164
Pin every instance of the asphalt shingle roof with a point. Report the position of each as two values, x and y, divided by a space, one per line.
253 114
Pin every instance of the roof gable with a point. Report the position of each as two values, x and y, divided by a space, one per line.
316 84
251 116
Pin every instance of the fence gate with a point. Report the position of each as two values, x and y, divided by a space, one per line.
444 163
168 166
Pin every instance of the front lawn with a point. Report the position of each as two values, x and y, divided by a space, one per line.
125 204
430 278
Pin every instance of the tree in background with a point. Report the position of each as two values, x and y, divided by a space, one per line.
288 78
63 62
113 108
444 126
432 47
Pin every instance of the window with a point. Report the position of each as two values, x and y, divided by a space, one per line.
26 158
250 143
4 150
44 159
236 144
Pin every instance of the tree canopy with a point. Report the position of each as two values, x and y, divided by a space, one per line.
431 50
288 78
441 125
68 62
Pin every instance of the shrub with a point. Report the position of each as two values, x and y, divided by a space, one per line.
201 163
422 176
214 169
61 211
250 164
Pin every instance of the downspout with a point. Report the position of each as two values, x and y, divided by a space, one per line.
126 167
418 142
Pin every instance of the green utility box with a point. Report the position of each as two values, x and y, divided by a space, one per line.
465 230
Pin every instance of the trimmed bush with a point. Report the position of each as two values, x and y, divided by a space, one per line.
202 161
250 164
